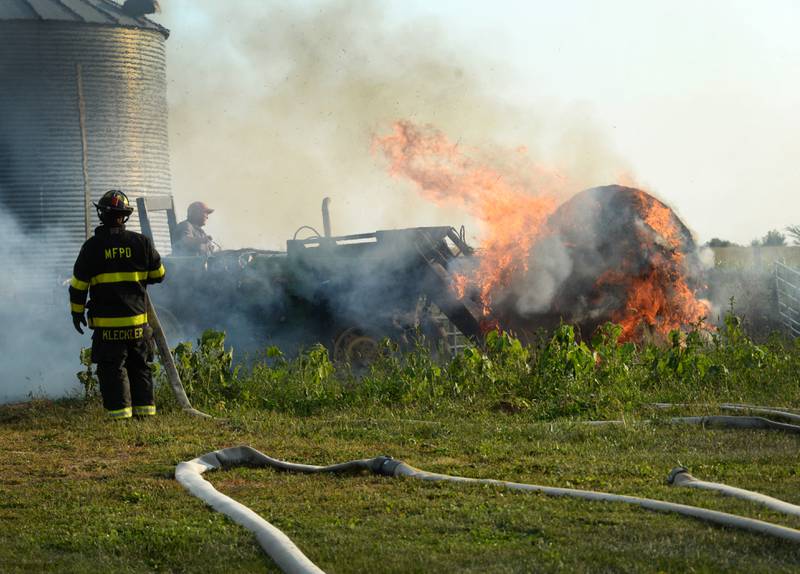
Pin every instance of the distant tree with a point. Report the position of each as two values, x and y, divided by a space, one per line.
773 238
794 233
755 242
717 242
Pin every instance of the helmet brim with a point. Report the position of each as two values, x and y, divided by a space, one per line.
109 209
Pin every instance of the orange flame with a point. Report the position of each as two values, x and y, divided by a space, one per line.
659 298
513 209
513 212
460 284
659 217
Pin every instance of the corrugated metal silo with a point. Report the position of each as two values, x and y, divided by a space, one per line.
83 109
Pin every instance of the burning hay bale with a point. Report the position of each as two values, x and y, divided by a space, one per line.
610 253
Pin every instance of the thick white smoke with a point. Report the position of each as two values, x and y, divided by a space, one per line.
551 263
273 106
39 350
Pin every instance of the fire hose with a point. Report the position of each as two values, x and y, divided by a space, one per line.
291 559
680 477
740 422
725 421
169 363
736 407
716 421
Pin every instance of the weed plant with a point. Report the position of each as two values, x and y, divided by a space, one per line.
557 376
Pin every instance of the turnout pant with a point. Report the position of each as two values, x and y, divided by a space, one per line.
126 382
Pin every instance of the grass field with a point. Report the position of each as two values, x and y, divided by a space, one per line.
79 493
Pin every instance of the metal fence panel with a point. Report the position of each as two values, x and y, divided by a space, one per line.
787 282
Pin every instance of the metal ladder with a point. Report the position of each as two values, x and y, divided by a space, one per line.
787 282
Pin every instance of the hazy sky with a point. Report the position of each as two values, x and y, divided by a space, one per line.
700 97
696 99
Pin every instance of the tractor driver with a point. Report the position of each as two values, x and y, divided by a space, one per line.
190 239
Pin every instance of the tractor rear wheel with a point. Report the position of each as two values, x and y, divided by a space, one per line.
355 347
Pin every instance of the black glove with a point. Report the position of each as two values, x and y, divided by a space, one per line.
77 320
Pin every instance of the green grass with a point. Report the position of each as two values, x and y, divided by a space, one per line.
79 493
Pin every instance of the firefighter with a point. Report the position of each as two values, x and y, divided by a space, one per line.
190 238
114 268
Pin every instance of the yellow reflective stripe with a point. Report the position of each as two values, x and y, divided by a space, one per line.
158 273
77 308
78 284
125 413
145 410
118 321
119 277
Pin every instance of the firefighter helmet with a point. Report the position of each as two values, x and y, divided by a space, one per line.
113 202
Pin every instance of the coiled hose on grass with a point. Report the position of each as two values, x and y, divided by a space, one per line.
290 559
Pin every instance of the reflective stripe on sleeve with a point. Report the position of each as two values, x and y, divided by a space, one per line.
157 274
77 308
146 410
78 284
118 321
125 413
122 277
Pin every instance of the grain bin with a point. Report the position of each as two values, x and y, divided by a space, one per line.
83 109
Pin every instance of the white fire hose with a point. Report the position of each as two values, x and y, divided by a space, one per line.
780 412
738 422
724 421
169 363
291 560
681 477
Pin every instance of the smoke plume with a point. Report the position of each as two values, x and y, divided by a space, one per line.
39 350
274 106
